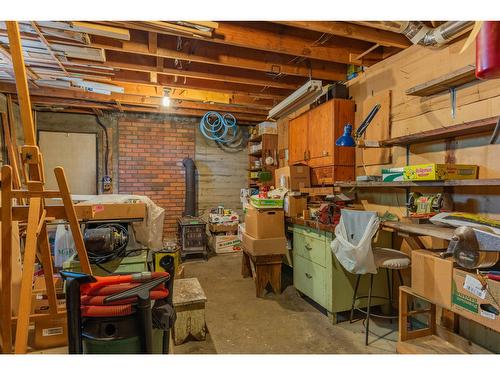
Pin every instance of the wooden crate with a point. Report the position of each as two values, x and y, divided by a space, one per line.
433 339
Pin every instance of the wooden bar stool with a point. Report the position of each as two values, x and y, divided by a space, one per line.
265 269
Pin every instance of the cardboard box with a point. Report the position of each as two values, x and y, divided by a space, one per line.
293 177
268 246
262 224
431 276
294 205
225 227
50 332
468 298
264 203
225 244
433 172
392 174
267 127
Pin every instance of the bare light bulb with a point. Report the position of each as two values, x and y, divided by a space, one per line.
165 101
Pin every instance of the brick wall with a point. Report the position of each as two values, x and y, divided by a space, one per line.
150 161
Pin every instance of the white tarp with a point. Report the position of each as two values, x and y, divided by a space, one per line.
148 232
353 241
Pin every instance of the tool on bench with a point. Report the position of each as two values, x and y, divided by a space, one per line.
424 205
474 248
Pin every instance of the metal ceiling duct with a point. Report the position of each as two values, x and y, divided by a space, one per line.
420 33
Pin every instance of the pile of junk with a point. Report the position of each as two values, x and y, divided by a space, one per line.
125 306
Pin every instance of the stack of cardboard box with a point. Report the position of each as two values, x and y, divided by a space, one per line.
264 232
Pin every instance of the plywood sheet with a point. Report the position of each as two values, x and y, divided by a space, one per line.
378 130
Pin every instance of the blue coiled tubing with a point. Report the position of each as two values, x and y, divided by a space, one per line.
219 128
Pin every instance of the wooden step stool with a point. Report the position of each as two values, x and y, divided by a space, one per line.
189 304
265 269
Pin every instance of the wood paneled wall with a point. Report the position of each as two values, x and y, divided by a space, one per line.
411 114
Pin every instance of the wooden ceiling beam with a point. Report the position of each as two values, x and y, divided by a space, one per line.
172 81
53 102
127 99
349 30
126 61
237 57
269 37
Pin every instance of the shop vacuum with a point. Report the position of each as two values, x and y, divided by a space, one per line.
120 314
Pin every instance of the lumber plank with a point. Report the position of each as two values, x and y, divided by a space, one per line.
450 80
445 233
466 128
6 297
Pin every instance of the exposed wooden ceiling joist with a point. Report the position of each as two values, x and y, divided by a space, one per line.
127 99
281 39
350 30
143 63
237 57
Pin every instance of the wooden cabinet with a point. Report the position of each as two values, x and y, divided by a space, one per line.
311 141
318 274
297 136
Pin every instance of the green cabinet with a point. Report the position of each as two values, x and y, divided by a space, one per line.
318 274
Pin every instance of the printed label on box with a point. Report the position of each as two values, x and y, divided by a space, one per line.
54 331
474 286
488 315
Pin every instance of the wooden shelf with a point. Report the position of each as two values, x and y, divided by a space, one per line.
466 128
254 169
433 230
444 83
406 184
256 154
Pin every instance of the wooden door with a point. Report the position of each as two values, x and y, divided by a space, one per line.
297 139
320 135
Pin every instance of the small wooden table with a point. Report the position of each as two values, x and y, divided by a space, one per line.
265 269
189 304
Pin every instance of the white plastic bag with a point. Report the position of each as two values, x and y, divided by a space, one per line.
353 241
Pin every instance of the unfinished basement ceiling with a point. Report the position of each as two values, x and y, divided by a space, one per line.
240 67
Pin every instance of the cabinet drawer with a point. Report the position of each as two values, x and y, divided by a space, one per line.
311 232
310 248
310 279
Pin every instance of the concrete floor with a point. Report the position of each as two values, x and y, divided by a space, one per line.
238 322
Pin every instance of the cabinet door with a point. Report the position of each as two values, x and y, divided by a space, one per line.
297 139
320 135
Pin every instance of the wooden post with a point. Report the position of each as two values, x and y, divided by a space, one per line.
73 220
23 320
6 298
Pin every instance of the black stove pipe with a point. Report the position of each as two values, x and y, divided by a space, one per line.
190 196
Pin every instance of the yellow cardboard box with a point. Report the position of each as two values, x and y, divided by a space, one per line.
436 172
